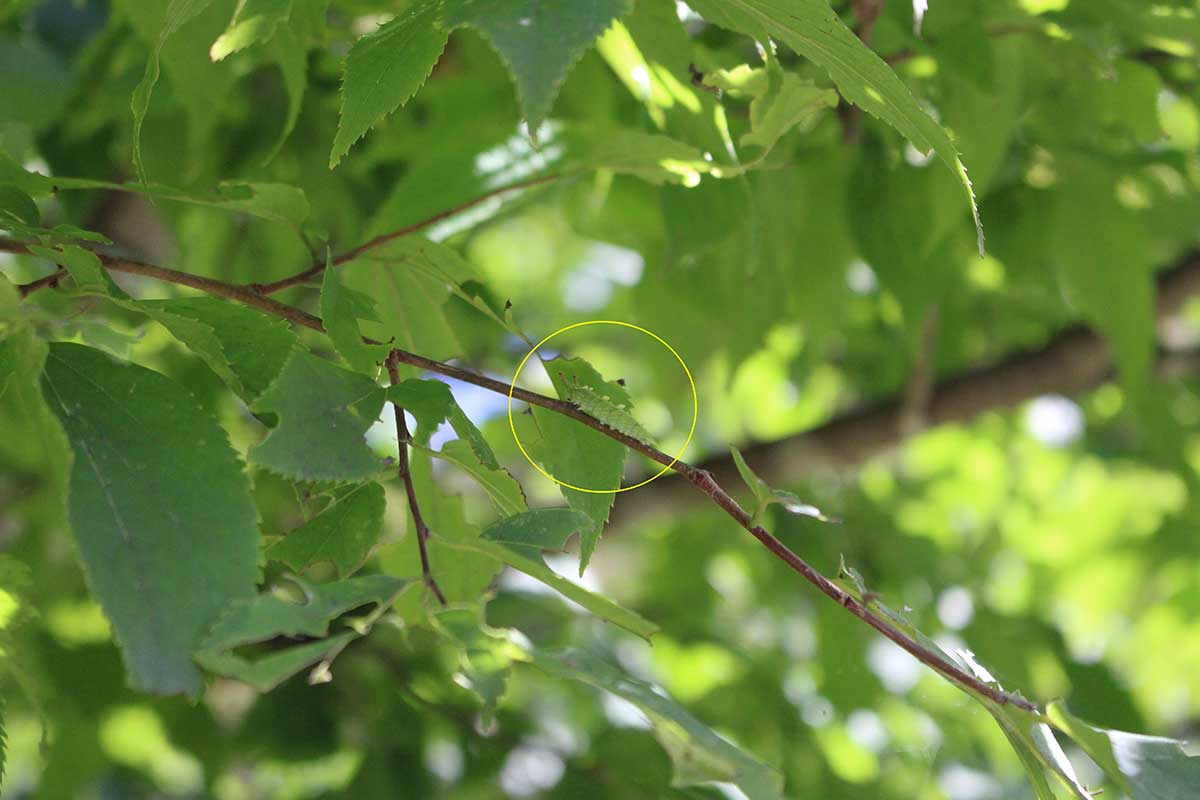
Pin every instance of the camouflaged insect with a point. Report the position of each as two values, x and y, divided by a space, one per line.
602 408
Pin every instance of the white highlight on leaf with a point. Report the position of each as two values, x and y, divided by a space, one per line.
444 758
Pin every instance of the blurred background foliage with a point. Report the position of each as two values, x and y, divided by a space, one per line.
1047 521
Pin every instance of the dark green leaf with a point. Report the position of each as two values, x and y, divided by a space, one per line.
342 534
384 69
245 347
160 508
531 532
539 40
341 309
324 411
261 618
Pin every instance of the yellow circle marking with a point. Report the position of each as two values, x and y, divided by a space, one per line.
659 339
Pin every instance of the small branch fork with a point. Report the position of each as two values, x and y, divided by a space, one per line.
701 479
404 439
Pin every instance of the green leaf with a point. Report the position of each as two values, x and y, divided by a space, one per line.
324 412
500 486
462 576
343 534
292 57
243 346
1143 767
794 103
598 605
538 40
36 82
531 532
765 495
341 309
177 13
17 206
432 403
699 754
267 616
384 69
276 202
254 21
814 30
160 508
486 654
576 454
1102 252
84 266
411 298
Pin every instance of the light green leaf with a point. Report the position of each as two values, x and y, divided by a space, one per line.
1102 252
1143 767
244 346
324 412
384 69
342 534
160 508
17 206
500 486
579 455
531 532
700 755
254 21
84 266
262 618
178 12
814 30
291 55
788 102
538 40
341 309
411 299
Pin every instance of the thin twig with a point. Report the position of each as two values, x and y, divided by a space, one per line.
403 440
319 266
701 479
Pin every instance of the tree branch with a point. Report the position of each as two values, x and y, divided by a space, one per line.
701 479
403 440
1079 355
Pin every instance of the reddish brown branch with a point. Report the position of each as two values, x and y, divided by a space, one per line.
403 440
